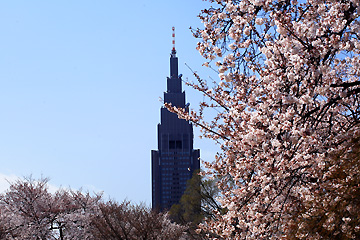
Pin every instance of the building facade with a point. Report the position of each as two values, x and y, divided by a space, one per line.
175 160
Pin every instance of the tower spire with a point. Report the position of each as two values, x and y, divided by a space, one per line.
173 51
174 59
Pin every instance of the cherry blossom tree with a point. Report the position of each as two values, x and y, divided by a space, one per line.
133 222
29 211
333 213
287 98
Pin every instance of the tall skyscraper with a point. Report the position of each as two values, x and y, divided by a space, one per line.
175 160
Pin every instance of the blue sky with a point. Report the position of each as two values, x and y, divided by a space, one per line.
80 83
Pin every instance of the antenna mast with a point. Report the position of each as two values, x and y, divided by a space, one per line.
173 51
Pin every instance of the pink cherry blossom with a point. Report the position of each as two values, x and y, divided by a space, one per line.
291 100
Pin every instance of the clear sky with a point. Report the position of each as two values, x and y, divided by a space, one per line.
80 83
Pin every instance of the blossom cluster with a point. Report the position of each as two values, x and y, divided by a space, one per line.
289 92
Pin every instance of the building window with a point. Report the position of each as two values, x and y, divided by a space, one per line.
172 144
178 144
175 144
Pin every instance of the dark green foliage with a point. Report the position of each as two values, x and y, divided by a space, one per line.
198 202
